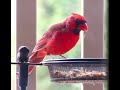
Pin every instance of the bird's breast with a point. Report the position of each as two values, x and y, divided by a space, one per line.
61 42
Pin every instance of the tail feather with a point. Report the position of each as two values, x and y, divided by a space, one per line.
35 59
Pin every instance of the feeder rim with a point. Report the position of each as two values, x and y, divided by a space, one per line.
75 61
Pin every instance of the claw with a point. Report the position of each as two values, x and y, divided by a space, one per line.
63 56
51 56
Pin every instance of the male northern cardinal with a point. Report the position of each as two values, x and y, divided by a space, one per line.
59 38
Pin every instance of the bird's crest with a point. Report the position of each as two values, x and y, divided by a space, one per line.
78 16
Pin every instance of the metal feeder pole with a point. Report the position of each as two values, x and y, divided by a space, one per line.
23 74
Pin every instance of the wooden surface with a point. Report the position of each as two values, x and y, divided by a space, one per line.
93 43
26 31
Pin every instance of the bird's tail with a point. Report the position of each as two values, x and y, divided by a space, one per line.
36 57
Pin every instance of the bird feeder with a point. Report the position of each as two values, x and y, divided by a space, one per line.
87 70
77 70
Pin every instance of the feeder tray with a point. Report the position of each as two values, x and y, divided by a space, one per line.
77 70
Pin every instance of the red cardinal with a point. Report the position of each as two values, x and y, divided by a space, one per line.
59 38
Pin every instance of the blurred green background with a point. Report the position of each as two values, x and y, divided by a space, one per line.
48 13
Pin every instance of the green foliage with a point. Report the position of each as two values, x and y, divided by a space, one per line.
106 48
106 85
50 12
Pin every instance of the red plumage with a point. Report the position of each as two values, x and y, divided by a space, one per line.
59 38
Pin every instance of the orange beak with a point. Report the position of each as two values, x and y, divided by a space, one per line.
85 27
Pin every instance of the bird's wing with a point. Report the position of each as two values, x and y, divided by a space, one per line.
48 35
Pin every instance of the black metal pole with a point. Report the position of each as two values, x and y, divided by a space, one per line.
23 74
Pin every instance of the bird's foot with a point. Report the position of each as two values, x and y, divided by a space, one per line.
51 56
63 56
